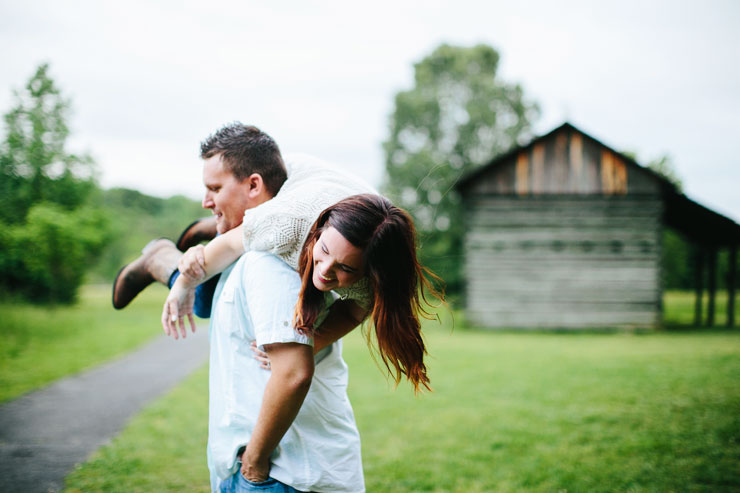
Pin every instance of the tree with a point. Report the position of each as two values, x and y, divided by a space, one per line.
664 166
51 225
458 115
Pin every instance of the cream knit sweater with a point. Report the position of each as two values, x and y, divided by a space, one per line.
281 225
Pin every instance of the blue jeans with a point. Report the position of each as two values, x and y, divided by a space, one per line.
238 484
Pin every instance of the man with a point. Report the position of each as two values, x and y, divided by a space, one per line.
254 415
237 159
260 418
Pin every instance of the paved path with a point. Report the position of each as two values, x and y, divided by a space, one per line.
44 434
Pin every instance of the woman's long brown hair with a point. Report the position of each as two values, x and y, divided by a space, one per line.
387 236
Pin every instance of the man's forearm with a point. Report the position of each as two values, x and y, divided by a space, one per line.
290 379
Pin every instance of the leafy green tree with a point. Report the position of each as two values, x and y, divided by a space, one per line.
458 115
51 225
664 167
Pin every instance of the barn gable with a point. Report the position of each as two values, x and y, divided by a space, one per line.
564 161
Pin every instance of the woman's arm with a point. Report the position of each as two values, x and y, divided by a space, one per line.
199 265
344 316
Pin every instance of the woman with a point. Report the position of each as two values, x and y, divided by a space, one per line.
363 249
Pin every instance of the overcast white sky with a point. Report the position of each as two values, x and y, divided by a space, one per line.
150 80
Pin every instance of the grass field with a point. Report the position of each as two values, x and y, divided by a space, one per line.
678 308
41 344
510 412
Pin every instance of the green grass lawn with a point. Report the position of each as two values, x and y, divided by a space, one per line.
656 411
679 308
162 449
41 344
510 412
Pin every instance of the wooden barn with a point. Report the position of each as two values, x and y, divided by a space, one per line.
566 232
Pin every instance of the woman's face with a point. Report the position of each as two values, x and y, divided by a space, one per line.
337 263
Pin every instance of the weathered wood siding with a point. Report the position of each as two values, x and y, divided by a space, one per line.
573 261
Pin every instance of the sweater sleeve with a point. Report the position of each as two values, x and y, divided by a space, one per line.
281 225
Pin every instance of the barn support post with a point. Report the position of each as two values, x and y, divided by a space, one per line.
712 286
698 284
731 283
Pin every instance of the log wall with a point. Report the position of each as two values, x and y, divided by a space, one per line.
563 261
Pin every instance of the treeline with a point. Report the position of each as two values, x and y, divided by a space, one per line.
52 224
139 218
56 224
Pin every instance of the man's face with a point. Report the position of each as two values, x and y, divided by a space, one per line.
226 196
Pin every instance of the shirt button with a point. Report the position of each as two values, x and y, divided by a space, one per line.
285 324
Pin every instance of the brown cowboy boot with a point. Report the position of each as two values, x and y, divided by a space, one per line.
203 229
157 263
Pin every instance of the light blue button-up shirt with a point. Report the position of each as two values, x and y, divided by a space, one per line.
254 301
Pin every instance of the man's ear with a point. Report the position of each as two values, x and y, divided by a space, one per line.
256 185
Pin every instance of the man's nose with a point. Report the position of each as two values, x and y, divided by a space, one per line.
207 201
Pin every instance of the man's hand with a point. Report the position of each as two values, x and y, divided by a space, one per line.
177 306
254 471
193 264
292 371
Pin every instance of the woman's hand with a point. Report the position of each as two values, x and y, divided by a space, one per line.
179 304
193 264
260 356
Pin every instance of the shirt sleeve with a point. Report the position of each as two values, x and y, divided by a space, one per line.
271 291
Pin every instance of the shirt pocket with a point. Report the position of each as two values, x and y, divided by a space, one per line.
228 294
